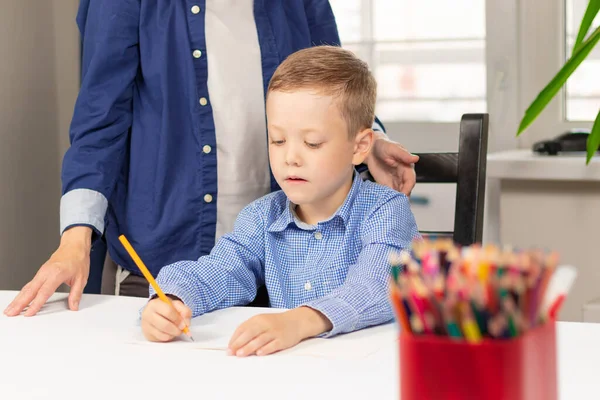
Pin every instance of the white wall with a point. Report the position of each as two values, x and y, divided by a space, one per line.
39 75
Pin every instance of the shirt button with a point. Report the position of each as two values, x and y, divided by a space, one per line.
318 235
307 286
197 53
203 101
207 198
195 10
206 149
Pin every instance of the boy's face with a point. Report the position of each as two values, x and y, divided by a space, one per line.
311 154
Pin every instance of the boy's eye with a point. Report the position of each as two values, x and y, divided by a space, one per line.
313 145
277 142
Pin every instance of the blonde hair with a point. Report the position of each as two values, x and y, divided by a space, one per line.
334 72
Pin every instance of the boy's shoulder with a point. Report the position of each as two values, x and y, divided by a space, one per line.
371 196
270 206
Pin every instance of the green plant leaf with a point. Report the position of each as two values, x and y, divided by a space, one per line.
590 13
593 141
544 97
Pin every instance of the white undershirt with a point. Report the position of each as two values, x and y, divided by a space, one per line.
235 87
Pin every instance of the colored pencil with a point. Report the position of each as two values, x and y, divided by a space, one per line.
476 292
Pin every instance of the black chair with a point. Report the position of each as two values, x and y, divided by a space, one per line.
466 168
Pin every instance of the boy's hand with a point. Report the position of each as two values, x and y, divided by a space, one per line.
268 333
161 323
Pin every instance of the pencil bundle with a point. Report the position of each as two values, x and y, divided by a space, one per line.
475 292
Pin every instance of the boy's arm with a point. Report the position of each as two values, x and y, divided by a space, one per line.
228 276
102 115
363 299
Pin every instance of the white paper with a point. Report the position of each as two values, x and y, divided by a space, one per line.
211 331
214 330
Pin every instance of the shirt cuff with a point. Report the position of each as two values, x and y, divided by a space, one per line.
342 315
151 296
185 292
83 207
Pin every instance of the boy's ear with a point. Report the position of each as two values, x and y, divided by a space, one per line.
362 145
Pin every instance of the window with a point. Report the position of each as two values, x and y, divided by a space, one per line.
547 30
583 88
435 60
430 66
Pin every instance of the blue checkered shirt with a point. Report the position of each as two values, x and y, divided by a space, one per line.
338 267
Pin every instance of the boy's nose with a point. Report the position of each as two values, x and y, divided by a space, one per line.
292 157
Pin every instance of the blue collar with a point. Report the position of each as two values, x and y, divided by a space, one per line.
288 216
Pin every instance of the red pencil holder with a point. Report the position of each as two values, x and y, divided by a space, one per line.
523 368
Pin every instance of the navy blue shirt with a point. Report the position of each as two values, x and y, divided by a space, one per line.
135 165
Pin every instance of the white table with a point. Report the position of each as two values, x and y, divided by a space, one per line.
89 354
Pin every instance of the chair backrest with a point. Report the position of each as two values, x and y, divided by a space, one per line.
466 168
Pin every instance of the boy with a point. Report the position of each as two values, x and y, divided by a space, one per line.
320 245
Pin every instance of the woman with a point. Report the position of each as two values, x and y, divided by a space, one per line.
168 137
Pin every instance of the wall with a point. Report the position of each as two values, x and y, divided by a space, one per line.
38 85
66 71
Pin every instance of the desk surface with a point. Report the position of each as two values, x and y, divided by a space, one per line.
89 354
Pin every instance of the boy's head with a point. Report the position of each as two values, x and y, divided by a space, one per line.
320 110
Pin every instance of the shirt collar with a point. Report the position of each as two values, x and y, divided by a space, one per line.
287 217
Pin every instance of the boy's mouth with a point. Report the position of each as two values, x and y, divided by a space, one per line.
295 179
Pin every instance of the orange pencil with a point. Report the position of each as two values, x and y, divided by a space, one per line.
396 299
138 261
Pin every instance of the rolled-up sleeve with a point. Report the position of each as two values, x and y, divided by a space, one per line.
363 300
102 116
